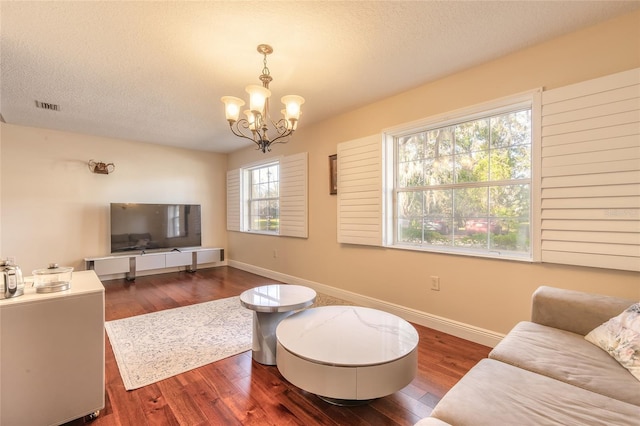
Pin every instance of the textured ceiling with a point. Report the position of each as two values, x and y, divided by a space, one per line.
155 71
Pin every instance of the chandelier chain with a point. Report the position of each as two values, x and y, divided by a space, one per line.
265 70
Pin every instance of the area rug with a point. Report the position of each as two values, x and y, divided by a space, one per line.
152 347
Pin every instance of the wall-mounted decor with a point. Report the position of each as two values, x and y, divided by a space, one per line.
101 168
333 174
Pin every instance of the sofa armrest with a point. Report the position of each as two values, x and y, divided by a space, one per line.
574 311
431 421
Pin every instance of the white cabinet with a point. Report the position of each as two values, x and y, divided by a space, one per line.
114 265
132 263
209 256
147 262
52 354
179 259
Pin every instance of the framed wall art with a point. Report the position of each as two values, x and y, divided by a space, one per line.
333 174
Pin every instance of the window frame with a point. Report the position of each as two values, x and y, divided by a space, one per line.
247 199
529 100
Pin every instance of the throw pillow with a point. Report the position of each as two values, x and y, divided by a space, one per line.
620 337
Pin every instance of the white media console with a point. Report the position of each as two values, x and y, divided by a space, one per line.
130 264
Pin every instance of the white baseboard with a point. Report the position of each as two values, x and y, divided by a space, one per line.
445 325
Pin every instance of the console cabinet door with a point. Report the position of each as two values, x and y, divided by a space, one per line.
148 262
115 265
178 259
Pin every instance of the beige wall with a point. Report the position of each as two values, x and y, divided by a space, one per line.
490 294
1 131
55 209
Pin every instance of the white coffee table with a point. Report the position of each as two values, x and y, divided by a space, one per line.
347 354
271 304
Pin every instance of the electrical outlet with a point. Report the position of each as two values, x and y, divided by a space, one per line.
435 283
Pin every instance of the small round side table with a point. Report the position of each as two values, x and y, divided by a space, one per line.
270 305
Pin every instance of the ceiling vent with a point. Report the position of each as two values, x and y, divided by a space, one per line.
46 105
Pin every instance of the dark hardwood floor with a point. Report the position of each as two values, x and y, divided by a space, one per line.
237 391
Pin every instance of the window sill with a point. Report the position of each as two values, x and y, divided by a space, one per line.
272 233
452 251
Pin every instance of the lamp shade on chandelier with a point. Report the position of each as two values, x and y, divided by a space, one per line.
257 125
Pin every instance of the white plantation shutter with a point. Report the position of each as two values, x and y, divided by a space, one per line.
293 196
590 173
360 191
233 200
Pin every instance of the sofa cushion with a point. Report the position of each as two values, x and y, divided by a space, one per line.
620 337
567 357
495 393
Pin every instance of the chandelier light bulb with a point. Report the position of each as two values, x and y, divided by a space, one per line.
232 107
292 104
257 97
251 118
292 125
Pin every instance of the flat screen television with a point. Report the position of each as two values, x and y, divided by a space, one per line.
154 227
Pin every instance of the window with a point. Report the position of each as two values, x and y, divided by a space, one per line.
541 176
263 200
463 185
269 197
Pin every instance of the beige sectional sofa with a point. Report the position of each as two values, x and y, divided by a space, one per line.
544 372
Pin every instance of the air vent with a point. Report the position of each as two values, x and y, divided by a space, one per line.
47 105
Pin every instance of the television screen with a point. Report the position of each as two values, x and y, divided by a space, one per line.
154 227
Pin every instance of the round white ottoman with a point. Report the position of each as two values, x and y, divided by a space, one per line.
347 354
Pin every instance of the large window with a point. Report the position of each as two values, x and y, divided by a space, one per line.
545 176
263 201
464 185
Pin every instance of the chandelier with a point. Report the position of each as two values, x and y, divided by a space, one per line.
258 122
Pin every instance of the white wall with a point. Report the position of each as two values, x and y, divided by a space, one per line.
53 209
